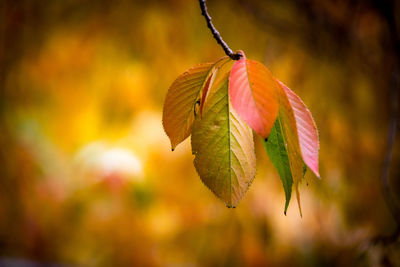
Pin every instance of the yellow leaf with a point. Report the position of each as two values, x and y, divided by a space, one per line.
223 145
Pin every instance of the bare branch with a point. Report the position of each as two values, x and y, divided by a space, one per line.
216 34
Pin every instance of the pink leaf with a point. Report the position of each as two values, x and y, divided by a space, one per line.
306 130
253 94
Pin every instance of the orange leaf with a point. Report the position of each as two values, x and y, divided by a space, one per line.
223 65
183 99
253 94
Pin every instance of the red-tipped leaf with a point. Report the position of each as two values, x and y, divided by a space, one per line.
253 93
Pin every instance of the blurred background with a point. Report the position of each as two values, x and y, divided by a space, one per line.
87 175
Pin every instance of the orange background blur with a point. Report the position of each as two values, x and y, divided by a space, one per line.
87 174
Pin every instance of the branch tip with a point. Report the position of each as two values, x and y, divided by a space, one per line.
216 34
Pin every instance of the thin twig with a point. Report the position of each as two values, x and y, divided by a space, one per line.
216 34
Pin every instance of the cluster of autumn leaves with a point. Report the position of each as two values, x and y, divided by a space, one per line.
220 104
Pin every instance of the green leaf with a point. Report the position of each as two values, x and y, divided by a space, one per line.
223 145
289 131
278 155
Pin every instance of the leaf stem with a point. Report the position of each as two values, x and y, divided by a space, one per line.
216 34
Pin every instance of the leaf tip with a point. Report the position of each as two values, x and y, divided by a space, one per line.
286 207
298 200
316 173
